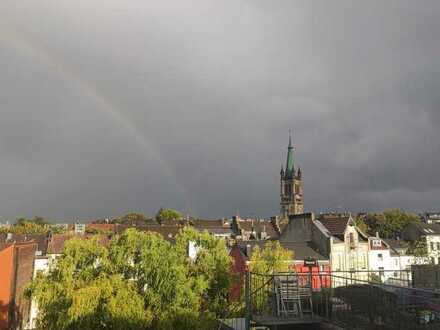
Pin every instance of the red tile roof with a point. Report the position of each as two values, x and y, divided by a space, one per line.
57 242
101 226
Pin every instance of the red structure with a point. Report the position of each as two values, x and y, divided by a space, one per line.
320 275
238 269
16 271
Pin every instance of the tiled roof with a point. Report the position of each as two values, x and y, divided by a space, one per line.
216 230
301 250
167 232
259 226
56 243
336 225
101 226
427 229
40 239
210 223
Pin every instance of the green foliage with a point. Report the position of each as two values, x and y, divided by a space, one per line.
132 218
272 258
36 220
390 223
36 225
158 274
140 282
81 293
419 250
210 269
57 229
23 226
164 215
360 223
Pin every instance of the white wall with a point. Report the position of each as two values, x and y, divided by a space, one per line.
433 245
40 265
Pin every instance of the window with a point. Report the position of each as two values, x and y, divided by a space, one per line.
432 246
364 261
351 240
377 243
380 257
352 262
438 245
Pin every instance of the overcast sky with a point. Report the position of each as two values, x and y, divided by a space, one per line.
112 106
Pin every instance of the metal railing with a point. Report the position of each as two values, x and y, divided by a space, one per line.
352 300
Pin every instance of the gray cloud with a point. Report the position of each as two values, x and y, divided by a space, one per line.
108 106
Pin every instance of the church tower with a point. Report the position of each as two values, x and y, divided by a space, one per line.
291 190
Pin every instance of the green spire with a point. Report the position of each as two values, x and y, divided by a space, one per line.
290 164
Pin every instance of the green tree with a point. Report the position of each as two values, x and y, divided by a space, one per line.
23 226
140 281
165 215
81 293
210 269
132 218
164 281
271 259
360 223
419 250
36 220
390 223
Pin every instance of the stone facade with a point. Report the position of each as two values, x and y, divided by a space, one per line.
291 188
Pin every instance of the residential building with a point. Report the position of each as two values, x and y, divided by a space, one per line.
254 229
16 271
428 234
220 228
348 245
431 218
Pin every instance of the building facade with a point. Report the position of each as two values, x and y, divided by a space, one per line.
349 246
291 188
429 236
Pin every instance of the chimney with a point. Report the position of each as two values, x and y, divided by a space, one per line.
377 234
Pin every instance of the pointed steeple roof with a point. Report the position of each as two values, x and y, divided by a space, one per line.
290 163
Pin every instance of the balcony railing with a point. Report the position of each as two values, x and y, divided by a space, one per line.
361 300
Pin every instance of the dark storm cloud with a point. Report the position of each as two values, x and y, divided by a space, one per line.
110 106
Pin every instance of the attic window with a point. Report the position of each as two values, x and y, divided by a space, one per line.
377 243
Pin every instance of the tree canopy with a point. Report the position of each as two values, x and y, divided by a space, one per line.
141 281
36 225
272 258
164 215
132 218
389 224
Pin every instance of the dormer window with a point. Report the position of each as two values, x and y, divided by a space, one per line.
377 243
